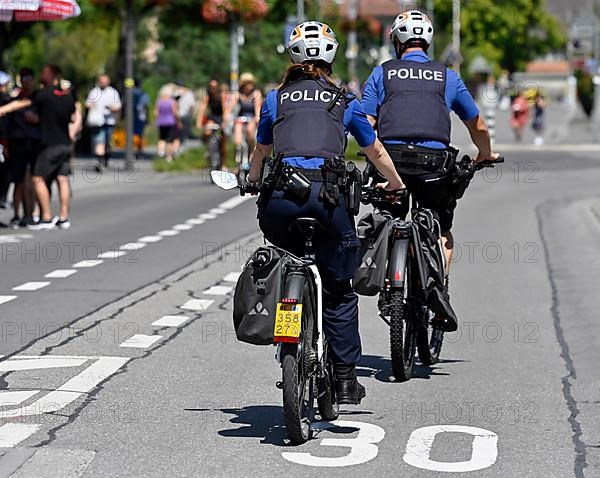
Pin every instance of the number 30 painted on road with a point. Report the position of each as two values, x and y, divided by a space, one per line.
363 448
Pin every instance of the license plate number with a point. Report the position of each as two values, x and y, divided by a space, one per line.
288 322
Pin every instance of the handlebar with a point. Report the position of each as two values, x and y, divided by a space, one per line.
487 163
249 189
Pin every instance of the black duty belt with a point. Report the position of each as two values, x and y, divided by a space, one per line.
416 157
312 174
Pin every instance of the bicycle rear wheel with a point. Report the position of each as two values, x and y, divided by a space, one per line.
402 336
298 376
214 152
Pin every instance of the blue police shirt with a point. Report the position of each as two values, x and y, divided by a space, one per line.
355 123
458 97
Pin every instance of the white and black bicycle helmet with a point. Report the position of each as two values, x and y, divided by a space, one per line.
412 25
312 41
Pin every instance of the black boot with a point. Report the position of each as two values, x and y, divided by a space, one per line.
347 389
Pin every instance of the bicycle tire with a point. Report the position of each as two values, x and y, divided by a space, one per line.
429 343
295 385
402 337
329 409
214 153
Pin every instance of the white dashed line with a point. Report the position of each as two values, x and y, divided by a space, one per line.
31 286
60 274
7 298
182 227
195 221
168 233
132 246
207 215
12 398
197 304
232 277
88 263
217 210
150 239
12 434
141 341
170 321
218 290
235 201
112 254
48 361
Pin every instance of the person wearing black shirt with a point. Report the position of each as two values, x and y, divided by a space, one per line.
54 108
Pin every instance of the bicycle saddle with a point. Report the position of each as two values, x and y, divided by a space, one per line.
306 226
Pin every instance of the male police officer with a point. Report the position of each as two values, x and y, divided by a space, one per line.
409 99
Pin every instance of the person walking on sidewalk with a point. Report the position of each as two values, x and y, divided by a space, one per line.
539 110
103 103
520 115
167 122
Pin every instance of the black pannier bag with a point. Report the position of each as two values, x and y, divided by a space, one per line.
431 264
257 293
373 233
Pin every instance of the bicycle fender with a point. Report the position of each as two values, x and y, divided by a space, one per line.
397 263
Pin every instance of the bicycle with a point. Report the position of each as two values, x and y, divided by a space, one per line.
302 349
403 300
214 145
242 151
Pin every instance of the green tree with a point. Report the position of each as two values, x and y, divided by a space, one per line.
508 33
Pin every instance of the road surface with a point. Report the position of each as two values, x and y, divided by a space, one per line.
120 357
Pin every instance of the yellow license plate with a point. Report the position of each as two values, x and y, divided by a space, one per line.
288 322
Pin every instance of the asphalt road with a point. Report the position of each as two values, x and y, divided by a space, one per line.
130 367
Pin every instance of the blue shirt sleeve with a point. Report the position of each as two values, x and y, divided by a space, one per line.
459 98
356 122
373 94
268 114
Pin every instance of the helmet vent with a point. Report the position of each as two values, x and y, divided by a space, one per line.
418 30
403 29
312 51
296 49
311 28
329 47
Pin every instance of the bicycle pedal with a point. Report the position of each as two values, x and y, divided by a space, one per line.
279 385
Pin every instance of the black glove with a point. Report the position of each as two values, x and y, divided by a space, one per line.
333 170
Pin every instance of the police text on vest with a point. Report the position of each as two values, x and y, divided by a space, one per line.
418 74
307 95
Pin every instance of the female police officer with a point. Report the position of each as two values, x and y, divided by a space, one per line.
305 122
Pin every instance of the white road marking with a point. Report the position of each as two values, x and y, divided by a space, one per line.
197 304
60 274
132 246
235 201
483 455
12 398
363 448
84 382
47 361
150 239
207 215
7 298
195 221
88 263
141 341
218 290
168 233
232 277
171 321
6 239
182 227
31 286
217 210
11 434
112 254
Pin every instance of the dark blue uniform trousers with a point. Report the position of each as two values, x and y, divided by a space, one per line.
337 257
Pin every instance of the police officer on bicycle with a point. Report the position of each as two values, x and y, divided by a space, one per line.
409 100
305 123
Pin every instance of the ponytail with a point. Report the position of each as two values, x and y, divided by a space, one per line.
318 70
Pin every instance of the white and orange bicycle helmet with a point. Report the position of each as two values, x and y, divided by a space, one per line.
312 41
412 25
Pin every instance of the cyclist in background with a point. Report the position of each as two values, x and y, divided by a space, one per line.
248 101
212 112
306 121
409 100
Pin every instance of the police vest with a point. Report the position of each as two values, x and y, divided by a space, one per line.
310 121
415 102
